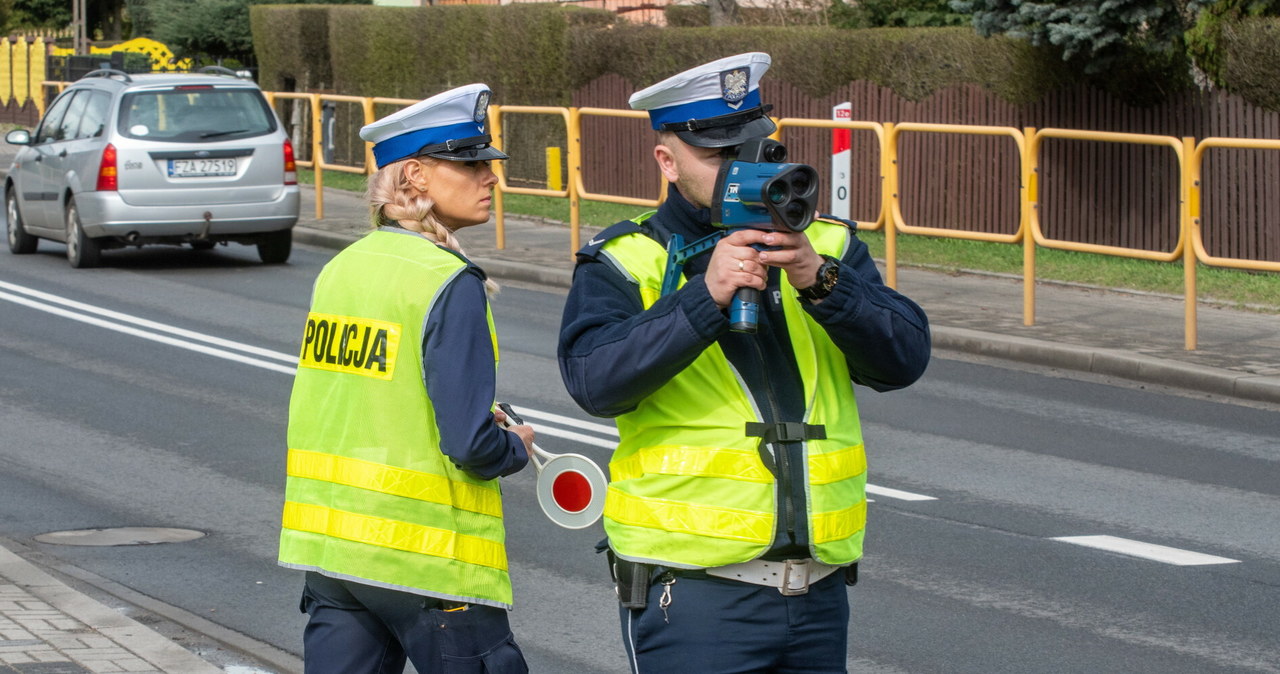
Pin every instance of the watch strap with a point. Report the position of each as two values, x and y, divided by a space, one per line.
828 275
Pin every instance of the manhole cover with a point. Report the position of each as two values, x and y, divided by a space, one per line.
120 536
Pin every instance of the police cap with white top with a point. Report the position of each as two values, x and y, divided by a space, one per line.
714 105
447 126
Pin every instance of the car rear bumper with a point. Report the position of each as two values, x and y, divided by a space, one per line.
106 214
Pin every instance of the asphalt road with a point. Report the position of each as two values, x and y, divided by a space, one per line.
169 410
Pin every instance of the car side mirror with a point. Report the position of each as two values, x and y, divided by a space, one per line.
18 137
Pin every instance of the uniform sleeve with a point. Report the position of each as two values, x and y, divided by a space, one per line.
884 335
613 353
457 357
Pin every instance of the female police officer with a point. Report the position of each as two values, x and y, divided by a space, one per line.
392 503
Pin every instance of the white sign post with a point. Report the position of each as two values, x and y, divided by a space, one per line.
841 161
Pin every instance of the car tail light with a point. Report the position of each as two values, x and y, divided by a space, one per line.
107 175
290 166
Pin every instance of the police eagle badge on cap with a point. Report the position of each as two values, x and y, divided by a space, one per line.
733 86
482 107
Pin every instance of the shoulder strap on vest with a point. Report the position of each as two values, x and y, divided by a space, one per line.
827 217
633 226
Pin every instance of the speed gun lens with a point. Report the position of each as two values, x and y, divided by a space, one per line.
800 183
777 192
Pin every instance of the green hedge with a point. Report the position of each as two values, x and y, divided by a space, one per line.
411 52
914 62
691 16
292 46
1250 53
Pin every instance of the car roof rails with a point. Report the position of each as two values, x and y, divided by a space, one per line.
108 72
218 70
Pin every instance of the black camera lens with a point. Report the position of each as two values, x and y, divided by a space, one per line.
775 153
800 182
795 215
776 191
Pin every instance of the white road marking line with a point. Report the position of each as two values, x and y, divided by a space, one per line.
544 429
207 350
1159 553
161 327
898 494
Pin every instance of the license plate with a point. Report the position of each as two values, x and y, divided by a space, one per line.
200 168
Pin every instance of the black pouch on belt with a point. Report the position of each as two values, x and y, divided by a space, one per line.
632 579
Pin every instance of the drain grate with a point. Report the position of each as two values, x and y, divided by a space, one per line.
120 536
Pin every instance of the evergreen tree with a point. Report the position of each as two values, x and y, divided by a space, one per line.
1097 33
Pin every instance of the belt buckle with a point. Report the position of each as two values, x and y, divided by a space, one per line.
787 571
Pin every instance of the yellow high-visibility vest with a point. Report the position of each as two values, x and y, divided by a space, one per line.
369 495
687 485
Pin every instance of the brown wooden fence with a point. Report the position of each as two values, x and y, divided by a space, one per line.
1092 192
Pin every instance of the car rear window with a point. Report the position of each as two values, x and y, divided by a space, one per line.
195 114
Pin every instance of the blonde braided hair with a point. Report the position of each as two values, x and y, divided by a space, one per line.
392 199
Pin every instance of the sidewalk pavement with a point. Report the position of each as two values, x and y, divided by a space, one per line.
46 627
1135 336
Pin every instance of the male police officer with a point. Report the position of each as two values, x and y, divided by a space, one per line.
392 502
736 509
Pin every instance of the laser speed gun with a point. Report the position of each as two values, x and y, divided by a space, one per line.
757 190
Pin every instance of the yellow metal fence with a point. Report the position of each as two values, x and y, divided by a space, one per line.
1027 143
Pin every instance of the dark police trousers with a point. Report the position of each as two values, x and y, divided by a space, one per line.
713 625
358 629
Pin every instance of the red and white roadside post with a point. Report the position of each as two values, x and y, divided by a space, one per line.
841 161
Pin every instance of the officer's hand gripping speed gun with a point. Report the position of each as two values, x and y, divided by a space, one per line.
754 189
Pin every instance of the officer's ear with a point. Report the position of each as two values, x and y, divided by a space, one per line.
417 174
665 154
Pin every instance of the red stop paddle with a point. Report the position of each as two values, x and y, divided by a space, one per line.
570 487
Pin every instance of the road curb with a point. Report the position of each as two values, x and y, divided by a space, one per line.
1135 367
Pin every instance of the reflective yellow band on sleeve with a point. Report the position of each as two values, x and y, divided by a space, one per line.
675 516
731 464
838 525
838 465
394 534
386 479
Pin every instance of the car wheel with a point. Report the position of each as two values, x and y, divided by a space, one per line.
82 251
274 248
20 242
200 244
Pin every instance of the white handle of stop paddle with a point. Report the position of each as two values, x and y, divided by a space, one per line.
540 458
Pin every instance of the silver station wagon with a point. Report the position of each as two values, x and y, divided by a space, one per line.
128 160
